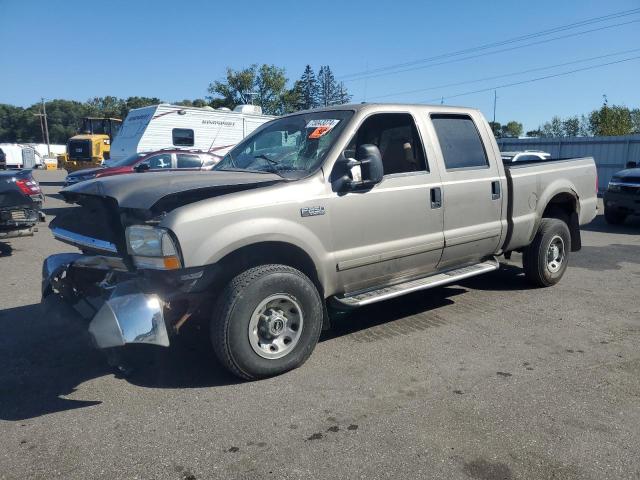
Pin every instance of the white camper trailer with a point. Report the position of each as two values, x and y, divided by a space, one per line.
19 156
172 126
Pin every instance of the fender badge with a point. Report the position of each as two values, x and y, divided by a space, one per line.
311 211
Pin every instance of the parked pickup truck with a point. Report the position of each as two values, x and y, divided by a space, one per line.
322 210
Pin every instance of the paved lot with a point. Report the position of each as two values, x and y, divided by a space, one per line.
484 380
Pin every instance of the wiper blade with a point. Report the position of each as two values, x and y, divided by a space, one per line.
264 157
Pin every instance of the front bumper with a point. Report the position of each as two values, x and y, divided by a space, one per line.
119 314
623 201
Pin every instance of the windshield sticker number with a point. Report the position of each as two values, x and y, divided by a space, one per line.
321 127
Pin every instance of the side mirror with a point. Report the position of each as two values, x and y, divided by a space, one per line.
363 173
631 165
142 167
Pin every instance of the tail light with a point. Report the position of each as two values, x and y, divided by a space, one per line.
28 186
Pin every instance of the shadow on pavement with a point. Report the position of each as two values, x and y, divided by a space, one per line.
45 350
631 226
5 249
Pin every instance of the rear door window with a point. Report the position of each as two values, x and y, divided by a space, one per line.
182 137
158 162
188 161
460 142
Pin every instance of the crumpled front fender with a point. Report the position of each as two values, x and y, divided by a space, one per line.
53 266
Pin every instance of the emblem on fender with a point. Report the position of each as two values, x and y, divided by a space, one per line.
311 211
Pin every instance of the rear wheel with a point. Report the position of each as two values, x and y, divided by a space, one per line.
266 321
614 217
545 260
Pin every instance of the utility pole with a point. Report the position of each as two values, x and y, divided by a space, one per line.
495 99
46 127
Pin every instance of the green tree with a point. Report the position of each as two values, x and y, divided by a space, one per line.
137 102
106 106
611 120
327 94
571 127
342 95
512 129
553 128
266 83
308 89
635 120
496 128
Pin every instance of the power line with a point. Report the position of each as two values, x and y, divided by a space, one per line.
531 80
494 77
539 42
549 31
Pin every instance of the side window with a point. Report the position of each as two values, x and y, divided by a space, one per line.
188 161
396 135
460 142
182 137
158 162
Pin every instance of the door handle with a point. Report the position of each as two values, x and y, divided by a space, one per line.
436 197
495 190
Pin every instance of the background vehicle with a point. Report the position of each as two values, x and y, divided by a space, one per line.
332 208
20 203
622 197
146 162
92 146
525 156
3 160
172 126
18 156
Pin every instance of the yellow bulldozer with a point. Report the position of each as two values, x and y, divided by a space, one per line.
92 145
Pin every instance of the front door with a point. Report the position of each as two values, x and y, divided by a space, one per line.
390 232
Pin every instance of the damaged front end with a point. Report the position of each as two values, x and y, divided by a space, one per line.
114 301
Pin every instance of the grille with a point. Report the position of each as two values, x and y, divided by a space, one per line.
79 150
19 215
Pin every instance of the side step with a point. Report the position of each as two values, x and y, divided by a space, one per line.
362 298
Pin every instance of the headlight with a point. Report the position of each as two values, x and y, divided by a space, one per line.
152 247
614 184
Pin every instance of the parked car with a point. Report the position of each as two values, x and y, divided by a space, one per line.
622 197
20 204
3 160
525 156
163 160
334 208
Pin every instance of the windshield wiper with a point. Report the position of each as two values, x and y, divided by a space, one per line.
264 157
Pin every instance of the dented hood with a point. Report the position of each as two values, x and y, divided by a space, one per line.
143 191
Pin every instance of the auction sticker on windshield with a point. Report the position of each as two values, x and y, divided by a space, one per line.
321 126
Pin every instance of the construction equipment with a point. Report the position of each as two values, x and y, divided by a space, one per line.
92 145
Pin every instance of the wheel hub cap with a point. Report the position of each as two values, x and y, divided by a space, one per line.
555 254
275 326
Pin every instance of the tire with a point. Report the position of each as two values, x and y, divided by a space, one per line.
614 217
248 344
545 260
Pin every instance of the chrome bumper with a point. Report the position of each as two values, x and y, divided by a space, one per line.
126 316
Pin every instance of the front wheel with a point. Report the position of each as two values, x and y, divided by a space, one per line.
545 260
266 321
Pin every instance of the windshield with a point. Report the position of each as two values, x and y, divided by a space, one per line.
292 146
125 162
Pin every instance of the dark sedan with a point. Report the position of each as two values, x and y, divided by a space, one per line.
20 204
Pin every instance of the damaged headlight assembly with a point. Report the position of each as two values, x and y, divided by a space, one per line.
152 248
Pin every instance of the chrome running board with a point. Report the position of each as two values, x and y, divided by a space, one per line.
366 297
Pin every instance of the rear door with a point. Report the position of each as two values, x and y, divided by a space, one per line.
471 189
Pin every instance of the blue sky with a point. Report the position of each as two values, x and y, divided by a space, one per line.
173 50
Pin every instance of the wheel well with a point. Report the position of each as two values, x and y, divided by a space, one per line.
564 206
269 252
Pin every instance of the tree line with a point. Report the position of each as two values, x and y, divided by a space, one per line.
608 120
264 85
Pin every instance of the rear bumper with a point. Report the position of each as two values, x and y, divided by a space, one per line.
119 314
624 202
19 221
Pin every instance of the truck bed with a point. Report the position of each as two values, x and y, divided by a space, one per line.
530 189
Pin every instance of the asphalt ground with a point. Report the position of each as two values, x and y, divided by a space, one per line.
488 379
